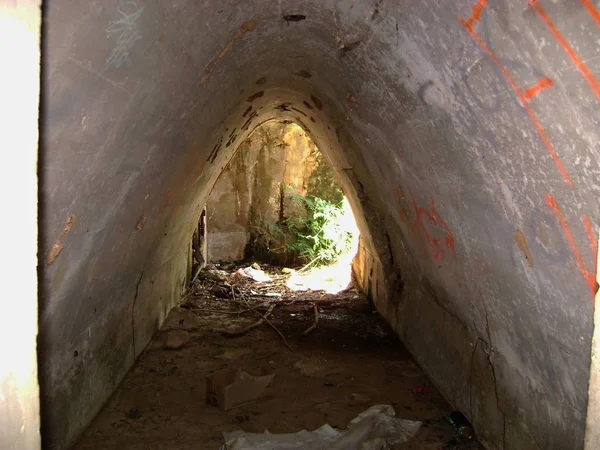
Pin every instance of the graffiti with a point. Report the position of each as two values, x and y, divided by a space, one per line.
583 68
592 10
531 92
475 15
492 101
468 24
588 275
590 233
126 31
429 224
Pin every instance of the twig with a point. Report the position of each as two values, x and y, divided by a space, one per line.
245 300
308 265
221 312
315 322
195 273
268 295
279 333
332 302
273 304
252 325
253 308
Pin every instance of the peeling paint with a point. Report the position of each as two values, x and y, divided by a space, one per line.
522 243
58 245
140 224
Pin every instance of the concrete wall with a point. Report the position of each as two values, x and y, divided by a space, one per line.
465 134
19 93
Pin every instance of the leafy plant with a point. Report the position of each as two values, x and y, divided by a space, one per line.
322 182
316 235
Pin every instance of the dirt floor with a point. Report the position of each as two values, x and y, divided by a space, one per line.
349 362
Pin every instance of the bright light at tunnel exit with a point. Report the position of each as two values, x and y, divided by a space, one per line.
335 277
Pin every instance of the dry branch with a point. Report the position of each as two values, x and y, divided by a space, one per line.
218 311
252 325
315 322
280 334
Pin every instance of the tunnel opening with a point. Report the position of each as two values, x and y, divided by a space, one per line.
277 202
268 328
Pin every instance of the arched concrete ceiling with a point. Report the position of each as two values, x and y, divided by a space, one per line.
465 132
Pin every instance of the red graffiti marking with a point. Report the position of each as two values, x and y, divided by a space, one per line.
534 90
433 216
586 273
583 68
590 233
592 10
512 83
475 15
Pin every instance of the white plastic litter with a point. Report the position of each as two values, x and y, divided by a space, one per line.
374 429
255 274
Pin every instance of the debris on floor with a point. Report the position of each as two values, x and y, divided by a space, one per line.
315 367
181 319
351 359
373 429
215 274
254 273
229 388
462 427
175 339
359 399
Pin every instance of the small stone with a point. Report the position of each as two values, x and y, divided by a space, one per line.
133 413
220 291
359 399
241 418
174 320
216 275
175 339
234 353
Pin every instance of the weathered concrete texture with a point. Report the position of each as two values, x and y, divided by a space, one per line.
255 188
227 245
465 134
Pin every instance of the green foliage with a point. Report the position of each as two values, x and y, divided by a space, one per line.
322 182
318 236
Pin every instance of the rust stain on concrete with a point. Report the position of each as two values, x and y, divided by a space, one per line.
403 205
246 27
522 243
250 25
141 223
58 245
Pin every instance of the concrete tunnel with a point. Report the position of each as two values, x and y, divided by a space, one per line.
465 135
